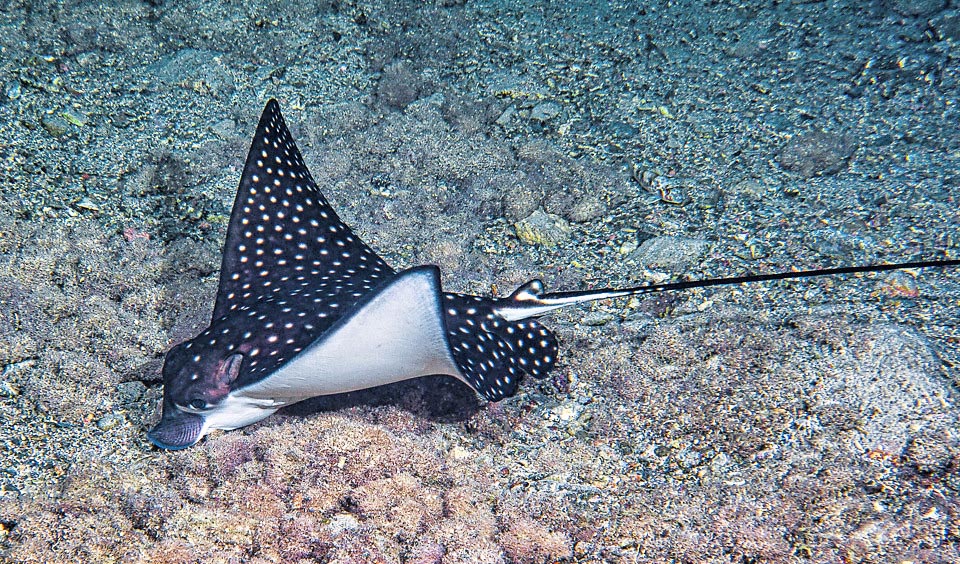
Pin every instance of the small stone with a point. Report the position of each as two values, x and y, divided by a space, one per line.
541 228
506 116
130 392
597 318
12 90
628 247
674 253
55 125
567 412
8 390
917 8
689 458
76 118
225 129
88 204
817 153
545 111
899 284
88 59
719 463
751 188
342 522
108 422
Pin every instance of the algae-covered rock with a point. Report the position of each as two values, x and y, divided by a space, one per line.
673 253
55 125
541 228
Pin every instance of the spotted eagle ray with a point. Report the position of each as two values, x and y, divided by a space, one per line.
305 308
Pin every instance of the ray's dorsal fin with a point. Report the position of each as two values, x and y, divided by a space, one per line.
530 301
283 234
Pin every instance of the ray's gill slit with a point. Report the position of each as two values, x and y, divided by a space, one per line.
305 308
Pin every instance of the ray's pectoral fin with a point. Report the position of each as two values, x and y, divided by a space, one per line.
493 350
394 333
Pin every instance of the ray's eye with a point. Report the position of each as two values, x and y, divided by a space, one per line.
197 404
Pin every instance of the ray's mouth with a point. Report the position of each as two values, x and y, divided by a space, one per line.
176 430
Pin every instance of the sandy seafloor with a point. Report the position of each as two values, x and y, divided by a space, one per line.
589 144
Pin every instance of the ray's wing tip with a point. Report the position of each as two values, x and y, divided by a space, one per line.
271 110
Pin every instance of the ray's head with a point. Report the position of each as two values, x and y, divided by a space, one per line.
196 381
197 378
290 270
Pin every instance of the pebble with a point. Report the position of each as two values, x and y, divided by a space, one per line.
12 90
628 247
751 188
817 153
55 125
541 228
899 284
567 412
225 129
109 421
689 458
506 116
130 392
545 111
8 390
719 463
597 318
75 118
89 205
342 522
673 253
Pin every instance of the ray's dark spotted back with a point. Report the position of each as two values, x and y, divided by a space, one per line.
291 267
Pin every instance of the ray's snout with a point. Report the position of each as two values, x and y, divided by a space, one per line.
177 429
